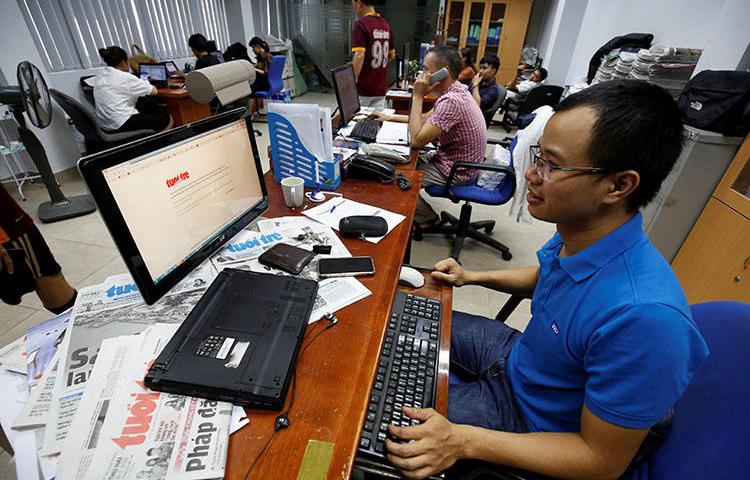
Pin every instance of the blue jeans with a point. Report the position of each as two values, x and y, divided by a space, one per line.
480 392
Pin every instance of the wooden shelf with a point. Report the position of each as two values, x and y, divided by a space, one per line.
511 16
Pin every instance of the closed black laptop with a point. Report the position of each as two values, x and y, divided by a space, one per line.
240 342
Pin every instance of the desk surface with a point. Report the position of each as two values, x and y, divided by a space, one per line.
335 374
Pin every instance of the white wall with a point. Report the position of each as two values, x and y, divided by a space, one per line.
559 47
57 138
719 27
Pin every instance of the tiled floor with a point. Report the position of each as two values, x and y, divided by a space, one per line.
87 254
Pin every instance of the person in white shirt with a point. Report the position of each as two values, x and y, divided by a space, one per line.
116 92
518 90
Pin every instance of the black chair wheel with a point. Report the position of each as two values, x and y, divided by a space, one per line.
507 255
489 228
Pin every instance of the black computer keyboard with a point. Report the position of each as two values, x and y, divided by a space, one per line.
407 369
366 130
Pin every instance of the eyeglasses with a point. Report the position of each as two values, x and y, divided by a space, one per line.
544 168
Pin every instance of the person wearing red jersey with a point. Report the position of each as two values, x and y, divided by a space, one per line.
372 46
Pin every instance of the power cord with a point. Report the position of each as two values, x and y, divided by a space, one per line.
282 420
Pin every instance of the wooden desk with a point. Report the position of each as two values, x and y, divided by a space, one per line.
182 108
335 374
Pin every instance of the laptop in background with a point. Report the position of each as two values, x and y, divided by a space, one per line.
154 73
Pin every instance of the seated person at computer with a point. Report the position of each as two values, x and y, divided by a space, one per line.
205 51
263 58
517 90
116 92
452 123
468 72
483 87
236 51
611 345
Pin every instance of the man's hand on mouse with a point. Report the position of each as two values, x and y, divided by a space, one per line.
449 271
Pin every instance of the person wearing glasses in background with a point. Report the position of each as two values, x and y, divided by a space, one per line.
610 346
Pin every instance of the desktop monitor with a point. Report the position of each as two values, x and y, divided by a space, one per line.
171 200
171 67
346 92
153 72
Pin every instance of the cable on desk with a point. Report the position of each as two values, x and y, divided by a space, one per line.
282 420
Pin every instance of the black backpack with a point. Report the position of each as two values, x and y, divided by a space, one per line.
718 101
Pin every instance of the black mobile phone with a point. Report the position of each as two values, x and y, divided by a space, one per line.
345 266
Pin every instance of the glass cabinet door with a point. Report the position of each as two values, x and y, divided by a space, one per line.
475 31
453 23
495 28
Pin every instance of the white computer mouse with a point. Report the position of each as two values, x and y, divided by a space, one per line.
411 276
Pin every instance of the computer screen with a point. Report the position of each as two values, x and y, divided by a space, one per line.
177 200
172 199
171 67
346 92
154 72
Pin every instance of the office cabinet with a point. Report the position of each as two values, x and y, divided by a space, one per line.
489 26
714 261
705 158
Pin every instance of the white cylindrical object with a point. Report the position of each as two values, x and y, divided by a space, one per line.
228 81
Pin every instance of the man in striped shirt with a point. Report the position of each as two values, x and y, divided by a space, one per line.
456 124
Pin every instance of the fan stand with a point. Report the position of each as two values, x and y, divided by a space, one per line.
59 207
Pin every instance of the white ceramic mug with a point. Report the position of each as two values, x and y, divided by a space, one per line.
294 191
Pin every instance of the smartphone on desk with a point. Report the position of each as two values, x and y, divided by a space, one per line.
345 267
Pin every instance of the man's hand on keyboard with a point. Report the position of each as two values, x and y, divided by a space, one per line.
432 446
382 117
449 271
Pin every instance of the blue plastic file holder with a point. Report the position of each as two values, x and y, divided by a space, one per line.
291 158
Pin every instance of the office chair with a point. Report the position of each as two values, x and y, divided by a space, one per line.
88 90
709 434
463 226
490 112
274 77
539 96
84 120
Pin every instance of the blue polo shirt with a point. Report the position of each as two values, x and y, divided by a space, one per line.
610 329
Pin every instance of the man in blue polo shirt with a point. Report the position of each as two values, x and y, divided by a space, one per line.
611 345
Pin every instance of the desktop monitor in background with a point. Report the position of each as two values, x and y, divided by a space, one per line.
172 199
346 92
171 67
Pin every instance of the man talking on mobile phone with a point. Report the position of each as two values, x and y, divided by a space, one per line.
456 123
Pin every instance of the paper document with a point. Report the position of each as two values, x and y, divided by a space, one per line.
331 212
393 133
398 93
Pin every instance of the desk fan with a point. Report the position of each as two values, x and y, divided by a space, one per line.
32 96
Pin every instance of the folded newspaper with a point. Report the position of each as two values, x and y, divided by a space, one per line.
110 309
123 430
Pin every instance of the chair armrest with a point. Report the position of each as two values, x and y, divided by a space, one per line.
510 174
505 142
508 307
117 137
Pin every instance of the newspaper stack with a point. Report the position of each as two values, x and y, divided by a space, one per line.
77 395
668 67
110 309
123 430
